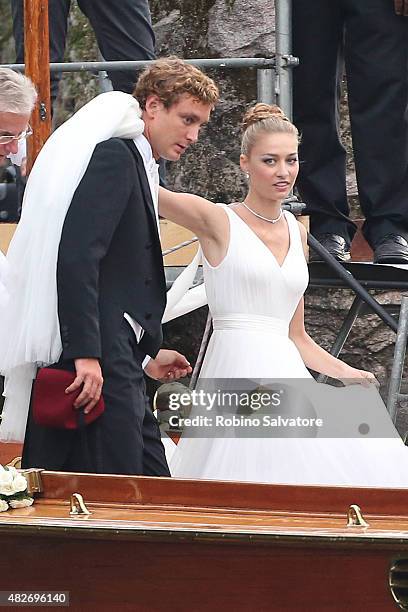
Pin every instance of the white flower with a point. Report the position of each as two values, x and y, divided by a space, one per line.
19 483
11 481
21 503
12 470
6 482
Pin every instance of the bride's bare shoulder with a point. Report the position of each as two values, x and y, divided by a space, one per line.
303 236
303 230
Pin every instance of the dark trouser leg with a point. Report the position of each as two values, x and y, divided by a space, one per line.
124 32
131 436
51 449
58 15
124 440
45 447
318 42
377 73
154 458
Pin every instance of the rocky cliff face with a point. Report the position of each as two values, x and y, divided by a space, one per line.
221 28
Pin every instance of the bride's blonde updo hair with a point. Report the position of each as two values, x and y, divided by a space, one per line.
264 118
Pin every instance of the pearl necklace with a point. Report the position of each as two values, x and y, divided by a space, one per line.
261 217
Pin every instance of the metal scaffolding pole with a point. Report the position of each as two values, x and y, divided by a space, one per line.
394 395
284 58
222 62
266 85
103 78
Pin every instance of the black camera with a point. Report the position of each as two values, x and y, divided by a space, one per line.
10 204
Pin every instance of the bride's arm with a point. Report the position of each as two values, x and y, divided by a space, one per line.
313 355
197 214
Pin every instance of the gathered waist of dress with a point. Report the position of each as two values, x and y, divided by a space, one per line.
251 323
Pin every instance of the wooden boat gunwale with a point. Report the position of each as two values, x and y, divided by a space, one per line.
231 495
304 540
177 510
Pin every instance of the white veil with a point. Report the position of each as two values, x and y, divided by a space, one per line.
29 327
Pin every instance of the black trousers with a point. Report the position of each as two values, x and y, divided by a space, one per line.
371 42
125 439
122 27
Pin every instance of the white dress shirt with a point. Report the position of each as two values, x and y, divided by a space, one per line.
152 172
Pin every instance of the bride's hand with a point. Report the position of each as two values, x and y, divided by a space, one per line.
168 365
359 377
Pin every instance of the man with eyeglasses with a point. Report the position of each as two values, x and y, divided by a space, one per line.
17 99
11 144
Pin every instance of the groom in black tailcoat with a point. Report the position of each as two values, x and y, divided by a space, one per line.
111 285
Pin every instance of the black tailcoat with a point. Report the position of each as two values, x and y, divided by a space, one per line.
109 263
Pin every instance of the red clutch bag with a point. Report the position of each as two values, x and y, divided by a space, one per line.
52 407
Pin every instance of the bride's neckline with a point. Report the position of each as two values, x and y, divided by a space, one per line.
254 233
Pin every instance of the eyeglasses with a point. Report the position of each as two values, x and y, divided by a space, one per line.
4 140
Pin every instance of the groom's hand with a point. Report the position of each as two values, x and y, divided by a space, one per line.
168 365
89 376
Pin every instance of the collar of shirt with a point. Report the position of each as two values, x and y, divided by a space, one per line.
152 170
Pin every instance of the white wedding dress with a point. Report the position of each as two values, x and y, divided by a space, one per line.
3 272
252 300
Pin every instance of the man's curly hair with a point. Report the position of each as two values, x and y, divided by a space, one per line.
169 78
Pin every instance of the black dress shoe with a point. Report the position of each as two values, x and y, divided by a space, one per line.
392 249
335 244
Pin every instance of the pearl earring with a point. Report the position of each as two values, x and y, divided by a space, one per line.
247 175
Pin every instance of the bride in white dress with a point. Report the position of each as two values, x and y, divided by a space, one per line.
255 275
